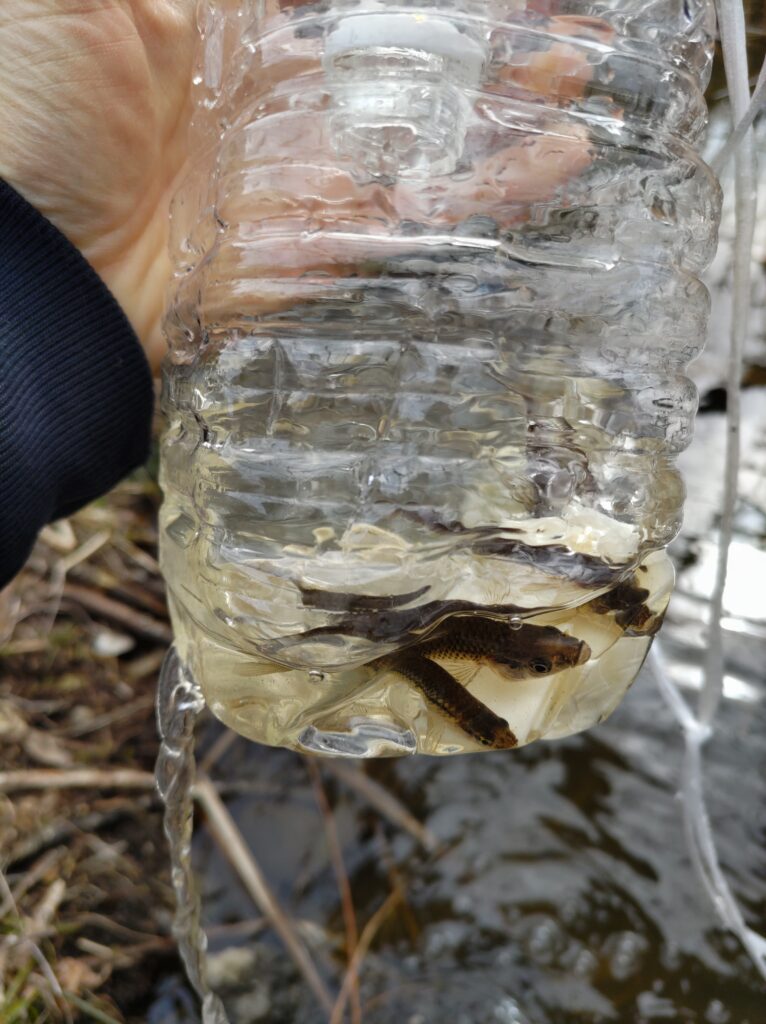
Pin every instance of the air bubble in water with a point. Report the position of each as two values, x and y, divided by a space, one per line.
626 954
508 1012
546 941
717 1013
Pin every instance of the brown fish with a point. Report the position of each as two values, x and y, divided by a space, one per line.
627 602
517 653
384 623
454 700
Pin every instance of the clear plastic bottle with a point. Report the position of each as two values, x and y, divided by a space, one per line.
437 290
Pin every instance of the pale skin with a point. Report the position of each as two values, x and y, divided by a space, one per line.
94 111
94 114
308 187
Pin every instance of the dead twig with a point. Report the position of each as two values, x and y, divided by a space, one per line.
46 909
385 803
30 878
341 877
138 555
222 745
121 957
23 943
121 588
382 998
59 537
115 611
369 932
83 553
238 929
224 830
33 645
397 883
109 925
89 1010
75 778
118 714
74 558
109 810
147 665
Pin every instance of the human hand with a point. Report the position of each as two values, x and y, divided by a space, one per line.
94 110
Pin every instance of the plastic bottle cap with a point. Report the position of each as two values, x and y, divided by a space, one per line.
415 31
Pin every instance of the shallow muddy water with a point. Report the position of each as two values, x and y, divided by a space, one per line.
562 891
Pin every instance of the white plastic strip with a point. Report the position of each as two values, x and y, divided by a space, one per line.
731 23
699 832
732 143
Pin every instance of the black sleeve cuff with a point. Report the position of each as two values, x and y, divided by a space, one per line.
76 391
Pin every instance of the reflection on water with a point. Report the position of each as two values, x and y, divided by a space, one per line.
563 893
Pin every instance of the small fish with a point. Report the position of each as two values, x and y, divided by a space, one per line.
457 703
332 601
382 624
627 602
516 653
519 653
552 559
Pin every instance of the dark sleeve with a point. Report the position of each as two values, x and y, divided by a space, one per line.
75 387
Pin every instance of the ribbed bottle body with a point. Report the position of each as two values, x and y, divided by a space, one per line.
437 291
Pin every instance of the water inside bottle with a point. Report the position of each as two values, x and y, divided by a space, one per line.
426 382
503 644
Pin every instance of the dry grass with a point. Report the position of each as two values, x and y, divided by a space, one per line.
86 906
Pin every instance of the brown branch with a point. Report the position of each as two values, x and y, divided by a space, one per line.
147 562
109 810
98 578
32 876
115 611
139 706
397 883
341 877
222 745
75 778
385 803
108 924
225 832
369 932
144 666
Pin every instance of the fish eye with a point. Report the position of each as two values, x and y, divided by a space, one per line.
540 665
